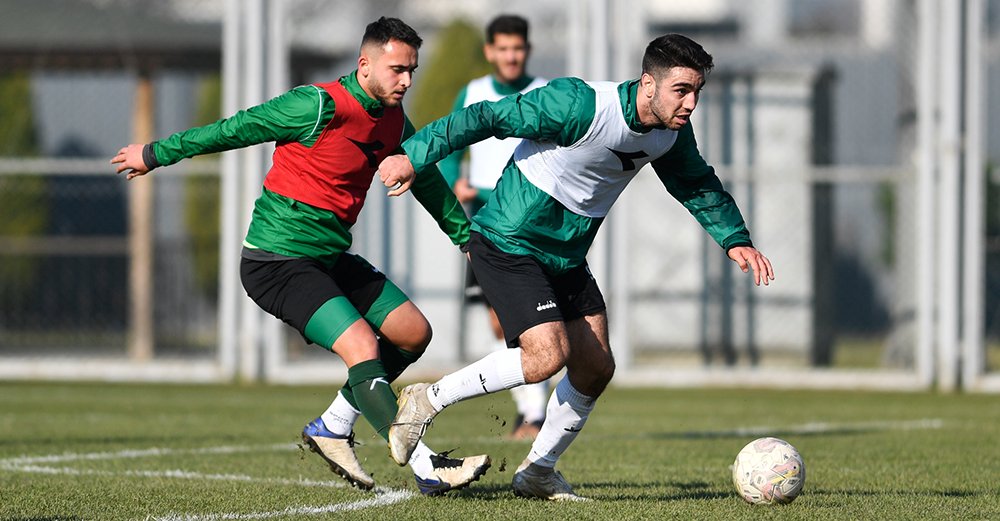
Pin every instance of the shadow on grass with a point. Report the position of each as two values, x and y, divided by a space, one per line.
899 493
603 491
692 490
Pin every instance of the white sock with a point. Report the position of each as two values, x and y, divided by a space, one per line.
340 416
531 400
567 413
494 372
420 461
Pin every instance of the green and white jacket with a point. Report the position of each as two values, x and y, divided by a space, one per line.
583 144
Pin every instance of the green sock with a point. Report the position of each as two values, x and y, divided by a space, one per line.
374 396
394 359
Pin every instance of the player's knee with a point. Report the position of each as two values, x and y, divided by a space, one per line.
605 371
414 336
420 337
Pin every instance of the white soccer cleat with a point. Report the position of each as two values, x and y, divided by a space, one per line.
536 481
338 452
414 416
452 473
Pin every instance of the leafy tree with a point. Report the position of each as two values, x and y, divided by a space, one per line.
24 204
202 196
457 58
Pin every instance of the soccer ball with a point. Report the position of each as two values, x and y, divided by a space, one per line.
769 470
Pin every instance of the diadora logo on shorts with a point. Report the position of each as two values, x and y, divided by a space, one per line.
547 305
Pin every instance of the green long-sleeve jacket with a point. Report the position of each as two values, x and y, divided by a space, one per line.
281 225
523 219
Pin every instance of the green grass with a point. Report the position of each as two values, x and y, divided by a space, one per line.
645 454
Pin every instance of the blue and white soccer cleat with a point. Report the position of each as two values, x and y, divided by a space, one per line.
338 452
452 473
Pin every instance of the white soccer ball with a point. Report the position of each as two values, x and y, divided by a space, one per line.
769 470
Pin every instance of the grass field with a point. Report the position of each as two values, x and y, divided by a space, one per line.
101 451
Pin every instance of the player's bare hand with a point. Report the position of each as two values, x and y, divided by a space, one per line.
464 192
129 160
748 258
396 173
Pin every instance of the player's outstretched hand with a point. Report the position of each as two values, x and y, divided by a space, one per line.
749 258
396 173
130 159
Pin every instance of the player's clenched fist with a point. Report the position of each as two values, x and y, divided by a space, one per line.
396 173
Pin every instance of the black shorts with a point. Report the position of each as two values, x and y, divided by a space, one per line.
472 291
524 295
294 289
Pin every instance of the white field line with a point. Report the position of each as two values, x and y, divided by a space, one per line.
43 465
145 453
383 497
175 474
828 427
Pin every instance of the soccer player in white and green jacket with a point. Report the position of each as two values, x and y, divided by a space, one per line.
507 49
583 143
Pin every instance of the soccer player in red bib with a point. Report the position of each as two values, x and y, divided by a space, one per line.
295 264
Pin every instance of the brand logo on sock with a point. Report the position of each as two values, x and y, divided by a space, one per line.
572 429
375 381
482 381
434 389
547 305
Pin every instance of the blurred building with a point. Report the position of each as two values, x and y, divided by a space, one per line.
810 118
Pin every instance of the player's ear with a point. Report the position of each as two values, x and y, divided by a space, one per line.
647 83
364 65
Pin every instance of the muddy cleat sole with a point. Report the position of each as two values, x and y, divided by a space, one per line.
414 416
453 473
338 452
535 481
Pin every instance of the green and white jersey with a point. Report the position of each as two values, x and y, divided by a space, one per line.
487 157
584 177
585 143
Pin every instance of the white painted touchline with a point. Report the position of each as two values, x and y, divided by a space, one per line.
383 497
144 453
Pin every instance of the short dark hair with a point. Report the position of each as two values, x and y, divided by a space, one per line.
675 50
507 24
384 29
